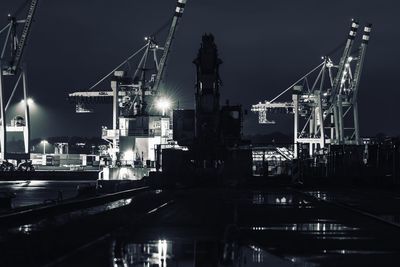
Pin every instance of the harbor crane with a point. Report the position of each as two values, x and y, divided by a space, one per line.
137 127
324 101
16 33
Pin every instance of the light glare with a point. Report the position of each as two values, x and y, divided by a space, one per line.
30 101
163 104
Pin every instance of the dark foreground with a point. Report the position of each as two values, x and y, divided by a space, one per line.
269 226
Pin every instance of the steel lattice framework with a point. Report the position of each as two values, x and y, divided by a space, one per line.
324 101
16 35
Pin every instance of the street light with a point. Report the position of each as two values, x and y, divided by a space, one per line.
44 142
163 104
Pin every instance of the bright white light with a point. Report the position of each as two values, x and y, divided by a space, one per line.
129 155
30 101
162 252
44 142
163 104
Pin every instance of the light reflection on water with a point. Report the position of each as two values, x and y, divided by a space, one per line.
301 262
152 253
189 253
359 252
308 227
272 198
319 194
26 229
280 199
66 217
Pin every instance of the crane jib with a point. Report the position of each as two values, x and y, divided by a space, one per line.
15 61
180 6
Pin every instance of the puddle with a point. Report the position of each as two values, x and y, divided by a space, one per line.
153 253
308 227
70 216
182 252
354 252
272 199
319 194
27 228
280 200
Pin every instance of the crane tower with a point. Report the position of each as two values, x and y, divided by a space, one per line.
137 125
324 101
16 32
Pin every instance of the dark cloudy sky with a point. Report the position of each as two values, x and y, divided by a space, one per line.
265 45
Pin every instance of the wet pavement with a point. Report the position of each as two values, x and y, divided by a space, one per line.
229 227
40 192
374 202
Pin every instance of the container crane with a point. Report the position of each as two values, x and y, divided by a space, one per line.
10 67
137 127
324 101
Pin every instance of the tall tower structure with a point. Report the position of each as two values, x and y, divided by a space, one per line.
207 93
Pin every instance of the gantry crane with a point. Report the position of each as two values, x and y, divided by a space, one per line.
132 96
10 67
324 101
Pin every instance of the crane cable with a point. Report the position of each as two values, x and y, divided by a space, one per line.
331 52
127 60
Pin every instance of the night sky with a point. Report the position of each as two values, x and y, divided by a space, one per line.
265 46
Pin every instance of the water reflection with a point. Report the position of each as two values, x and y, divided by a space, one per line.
152 253
308 227
272 198
186 252
301 261
26 229
69 216
359 252
283 200
319 194
257 254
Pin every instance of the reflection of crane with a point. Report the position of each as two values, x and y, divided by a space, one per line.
324 101
133 96
10 66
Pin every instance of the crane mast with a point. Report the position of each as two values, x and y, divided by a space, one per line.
180 7
343 59
10 66
14 64
18 44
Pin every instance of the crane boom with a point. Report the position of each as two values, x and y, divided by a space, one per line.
343 59
18 50
180 7
360 62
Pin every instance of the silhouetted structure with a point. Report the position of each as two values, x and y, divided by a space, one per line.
212 133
